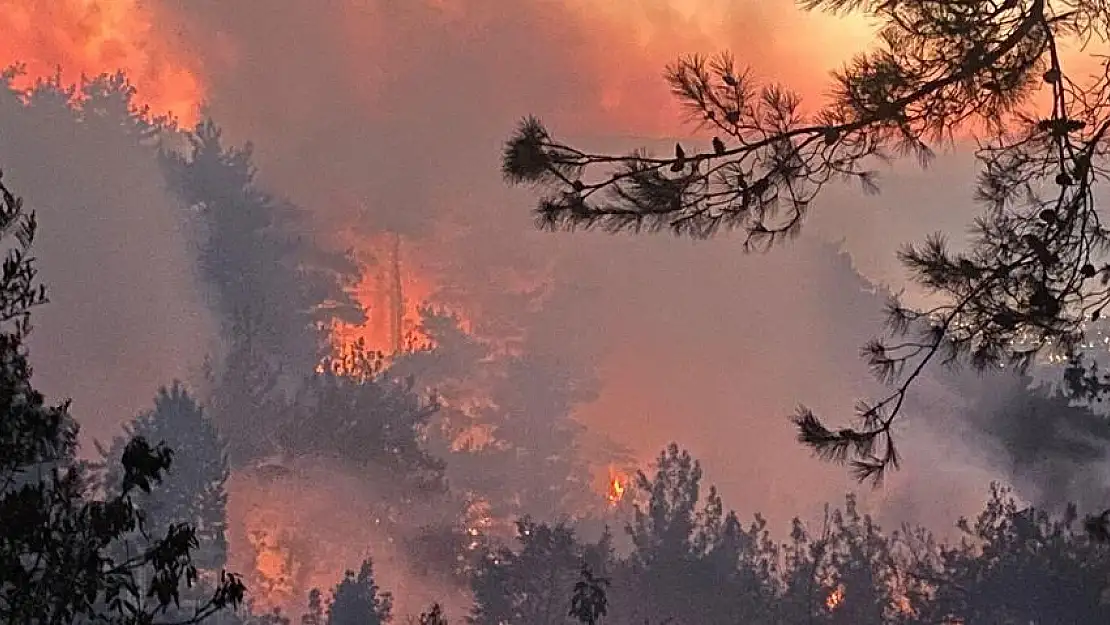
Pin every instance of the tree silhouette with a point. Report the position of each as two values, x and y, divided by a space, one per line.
1033 273
261 268
365 418
247 400
56 560
529 585
589 602
357 600
1017 565
193 491
694 564
315 613
434 616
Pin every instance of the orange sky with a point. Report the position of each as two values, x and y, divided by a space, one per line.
95 36
627 44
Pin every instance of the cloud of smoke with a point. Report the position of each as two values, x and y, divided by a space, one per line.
285 533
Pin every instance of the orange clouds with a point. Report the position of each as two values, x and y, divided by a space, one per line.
633 40
91 37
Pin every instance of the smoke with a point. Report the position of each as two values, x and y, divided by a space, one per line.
285 533
1055 449
126 313
390 116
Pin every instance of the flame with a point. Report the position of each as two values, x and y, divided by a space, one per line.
274 565
903 605
385 278
93 37
835 598
285 537
618 485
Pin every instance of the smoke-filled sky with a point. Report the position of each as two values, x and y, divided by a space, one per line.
389 115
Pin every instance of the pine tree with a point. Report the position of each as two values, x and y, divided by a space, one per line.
357 600
1034 272
434 616
689 562
261 269
315 613
529 585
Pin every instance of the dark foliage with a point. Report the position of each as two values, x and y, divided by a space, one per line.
56 560
247 398
1018 565
289 288
434 616
530 584
352 410
589 602
193 492
357 600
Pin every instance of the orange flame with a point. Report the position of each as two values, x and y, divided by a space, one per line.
618 485
388 286
93 37
835 598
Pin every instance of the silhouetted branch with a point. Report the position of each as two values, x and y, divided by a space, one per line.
1034 272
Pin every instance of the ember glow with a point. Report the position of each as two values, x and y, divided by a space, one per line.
286 538
618 484
835 598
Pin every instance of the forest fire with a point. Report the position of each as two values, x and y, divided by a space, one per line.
391 293
286 538
75 38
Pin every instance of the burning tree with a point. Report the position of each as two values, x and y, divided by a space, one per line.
504 425
994 71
